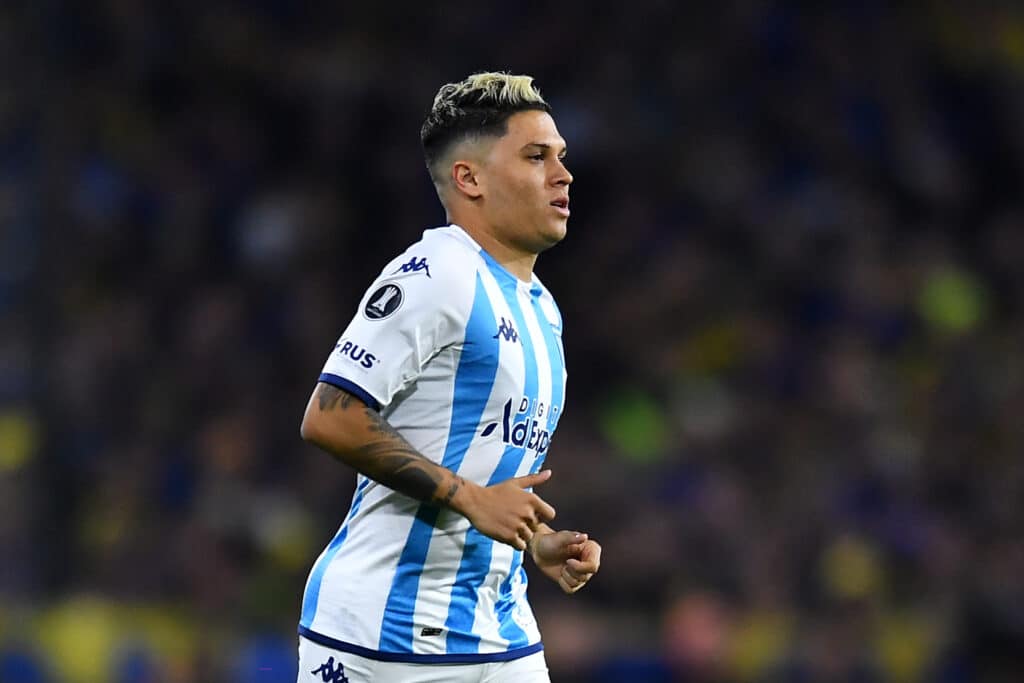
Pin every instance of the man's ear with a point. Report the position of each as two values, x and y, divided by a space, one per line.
466 178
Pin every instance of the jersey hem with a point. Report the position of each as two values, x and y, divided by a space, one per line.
411 658
351 387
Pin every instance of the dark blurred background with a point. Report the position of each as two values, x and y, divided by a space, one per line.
792 286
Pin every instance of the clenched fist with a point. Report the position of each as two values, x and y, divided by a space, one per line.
568 557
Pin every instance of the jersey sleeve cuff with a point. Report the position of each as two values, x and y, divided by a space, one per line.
352 388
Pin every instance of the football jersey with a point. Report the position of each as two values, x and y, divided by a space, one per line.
466 362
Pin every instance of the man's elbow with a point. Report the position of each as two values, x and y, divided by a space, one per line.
310 430
326 432
335 431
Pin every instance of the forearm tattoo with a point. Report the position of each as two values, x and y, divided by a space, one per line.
389 458
452 490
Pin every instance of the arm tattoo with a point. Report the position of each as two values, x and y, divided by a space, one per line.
389 458
400 468
405 469
331 396
452 491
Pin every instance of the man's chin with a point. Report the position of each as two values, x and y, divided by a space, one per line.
544 237
554 234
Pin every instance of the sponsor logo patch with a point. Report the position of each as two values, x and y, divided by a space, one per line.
356 353
384 301
524 425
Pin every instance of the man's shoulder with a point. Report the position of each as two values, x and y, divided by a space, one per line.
442 255
436 274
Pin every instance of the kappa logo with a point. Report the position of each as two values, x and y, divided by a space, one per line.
328 674
383 302
414 266
507 332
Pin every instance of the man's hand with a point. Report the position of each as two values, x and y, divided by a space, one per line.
506 512
567 557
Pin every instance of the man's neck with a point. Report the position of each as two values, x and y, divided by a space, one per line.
515 261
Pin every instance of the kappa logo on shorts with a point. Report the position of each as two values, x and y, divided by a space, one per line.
384 301
328 674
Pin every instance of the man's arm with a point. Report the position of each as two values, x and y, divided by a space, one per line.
347 428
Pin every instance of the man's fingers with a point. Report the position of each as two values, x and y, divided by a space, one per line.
570 538
591 553
581 578
577 570
570 543
545 512
531 480
574 544
581 567
570 583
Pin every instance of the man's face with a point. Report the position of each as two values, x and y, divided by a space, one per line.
525 184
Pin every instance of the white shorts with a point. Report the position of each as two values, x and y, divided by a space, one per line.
319 664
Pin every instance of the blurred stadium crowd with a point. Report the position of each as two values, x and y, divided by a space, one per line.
794 301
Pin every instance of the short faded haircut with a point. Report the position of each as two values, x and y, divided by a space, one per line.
479 106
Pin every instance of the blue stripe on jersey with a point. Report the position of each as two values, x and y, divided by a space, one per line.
557 363
474 380
475 564
507 628
506 602
312 596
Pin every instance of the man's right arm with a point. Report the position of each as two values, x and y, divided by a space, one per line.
347 428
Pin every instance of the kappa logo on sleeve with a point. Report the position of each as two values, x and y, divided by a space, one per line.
414 266
384 301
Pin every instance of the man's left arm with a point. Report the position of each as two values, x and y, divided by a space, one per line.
569 558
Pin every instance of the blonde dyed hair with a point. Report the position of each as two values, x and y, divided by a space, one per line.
478 106
488 87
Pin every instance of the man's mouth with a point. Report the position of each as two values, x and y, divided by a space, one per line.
562 204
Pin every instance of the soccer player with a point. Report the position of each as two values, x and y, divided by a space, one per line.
443 393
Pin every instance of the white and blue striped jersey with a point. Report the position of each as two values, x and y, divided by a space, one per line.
466 362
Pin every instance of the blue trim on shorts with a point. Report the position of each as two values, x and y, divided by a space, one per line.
352 388
408 658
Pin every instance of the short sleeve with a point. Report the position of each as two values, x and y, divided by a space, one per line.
407 315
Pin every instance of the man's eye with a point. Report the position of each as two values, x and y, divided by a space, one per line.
537 157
